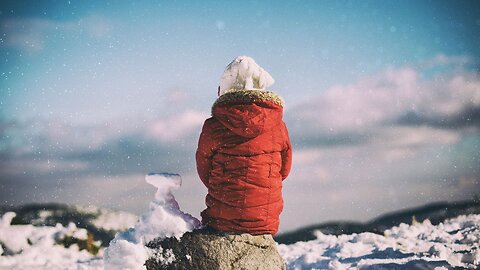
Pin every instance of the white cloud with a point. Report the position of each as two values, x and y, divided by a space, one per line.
448 97
59 136
180 97
414 137
32 35
365 103
443 60
42 166
180 126
388 96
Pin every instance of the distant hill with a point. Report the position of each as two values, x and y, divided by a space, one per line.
102 223
435 212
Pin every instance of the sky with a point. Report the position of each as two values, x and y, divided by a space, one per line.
382 99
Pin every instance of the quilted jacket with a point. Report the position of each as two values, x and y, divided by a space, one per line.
244 154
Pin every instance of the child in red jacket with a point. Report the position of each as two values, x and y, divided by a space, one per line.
244 153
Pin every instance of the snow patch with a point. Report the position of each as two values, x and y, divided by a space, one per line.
454 243
163 219
109 220
31 247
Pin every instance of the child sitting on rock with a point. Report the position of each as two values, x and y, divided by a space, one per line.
244 153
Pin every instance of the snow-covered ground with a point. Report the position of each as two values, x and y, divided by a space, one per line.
32 247
109 220
453 244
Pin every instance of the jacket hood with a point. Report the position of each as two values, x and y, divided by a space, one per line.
248 112
244 73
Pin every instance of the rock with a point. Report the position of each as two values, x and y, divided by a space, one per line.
203 249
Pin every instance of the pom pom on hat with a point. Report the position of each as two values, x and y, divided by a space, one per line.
244 74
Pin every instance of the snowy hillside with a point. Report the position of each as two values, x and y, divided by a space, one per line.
453 244
101 223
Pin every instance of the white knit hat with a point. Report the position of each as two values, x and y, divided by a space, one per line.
244 74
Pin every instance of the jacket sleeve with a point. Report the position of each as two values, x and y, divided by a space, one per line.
286 155
205 152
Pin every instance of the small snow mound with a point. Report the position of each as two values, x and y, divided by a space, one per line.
164 181
165 184
163 219
6 219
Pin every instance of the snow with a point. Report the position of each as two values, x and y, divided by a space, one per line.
453 243
244 73
109 220
30 245
164 219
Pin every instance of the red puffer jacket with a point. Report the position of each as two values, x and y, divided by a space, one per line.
244 154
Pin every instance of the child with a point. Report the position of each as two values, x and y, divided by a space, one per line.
244 153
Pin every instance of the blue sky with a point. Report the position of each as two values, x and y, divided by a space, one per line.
382 98
136 50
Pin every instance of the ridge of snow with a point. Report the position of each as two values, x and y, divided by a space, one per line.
454 243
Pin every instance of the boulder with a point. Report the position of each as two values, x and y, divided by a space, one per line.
210 250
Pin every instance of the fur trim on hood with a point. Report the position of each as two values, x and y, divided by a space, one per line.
249 96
